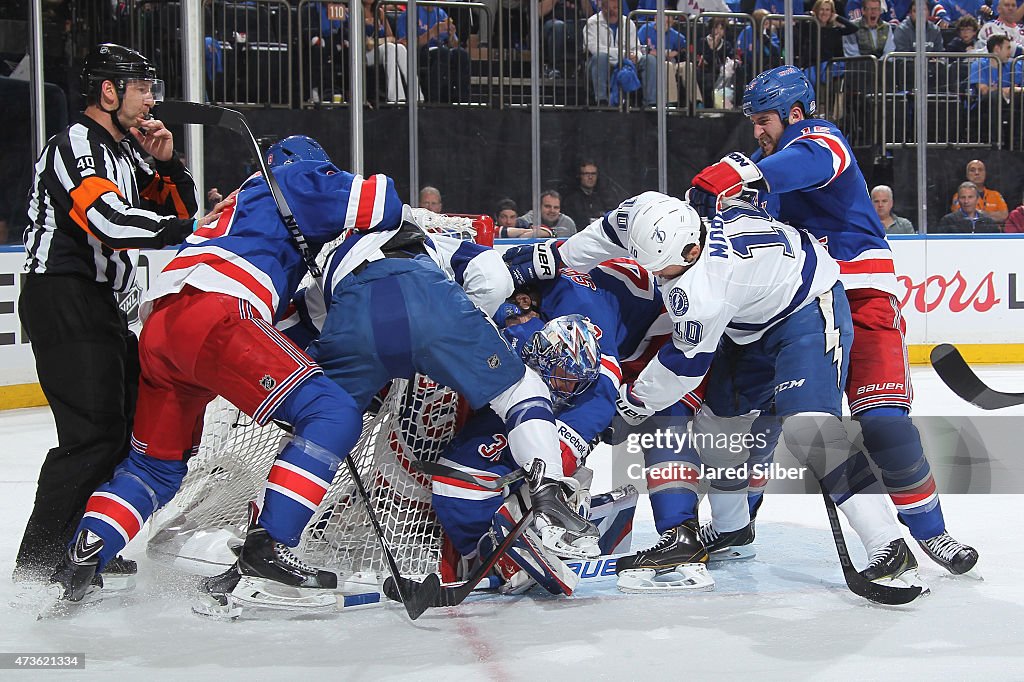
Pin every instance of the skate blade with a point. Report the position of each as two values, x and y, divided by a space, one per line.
48 602
742 553
209 606
267 594
906 579
582 548
118 582
683 578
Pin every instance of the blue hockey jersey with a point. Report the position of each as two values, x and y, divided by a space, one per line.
249 253
815 184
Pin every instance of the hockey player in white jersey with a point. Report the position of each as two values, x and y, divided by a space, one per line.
403 302
770 295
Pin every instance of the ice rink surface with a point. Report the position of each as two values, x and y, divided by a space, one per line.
785 615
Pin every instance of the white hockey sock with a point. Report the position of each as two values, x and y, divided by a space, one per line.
871 518
729 510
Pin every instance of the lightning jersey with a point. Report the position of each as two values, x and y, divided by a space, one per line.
249 253
752 273
815 184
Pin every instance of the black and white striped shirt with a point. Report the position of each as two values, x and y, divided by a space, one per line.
95 202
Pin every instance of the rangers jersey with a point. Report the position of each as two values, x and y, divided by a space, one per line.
249 253
815 184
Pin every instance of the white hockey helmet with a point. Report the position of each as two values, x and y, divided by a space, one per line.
660 230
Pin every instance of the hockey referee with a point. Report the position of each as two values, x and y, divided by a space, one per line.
95 200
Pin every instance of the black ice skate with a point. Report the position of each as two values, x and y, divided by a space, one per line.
955 557
118 575
76 571
890 561
728 545
680 550
263 557
562 530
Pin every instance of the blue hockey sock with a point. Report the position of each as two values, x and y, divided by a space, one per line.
119 508
894 445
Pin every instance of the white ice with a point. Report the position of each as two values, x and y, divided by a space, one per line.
787 614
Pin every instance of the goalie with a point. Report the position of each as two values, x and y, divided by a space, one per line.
566 354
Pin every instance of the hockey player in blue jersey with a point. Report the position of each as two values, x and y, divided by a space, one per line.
771 296
396 302
808 170
209 330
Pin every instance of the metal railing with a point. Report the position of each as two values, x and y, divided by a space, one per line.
957 113
717 91
254 43
1015 141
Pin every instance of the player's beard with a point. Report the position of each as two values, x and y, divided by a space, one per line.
766 143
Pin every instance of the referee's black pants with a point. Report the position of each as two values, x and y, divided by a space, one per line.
87 361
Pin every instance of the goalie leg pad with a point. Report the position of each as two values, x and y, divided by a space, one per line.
528 553
612 512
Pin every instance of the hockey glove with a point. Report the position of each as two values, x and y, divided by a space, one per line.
632 411
704 203
531 262
728 176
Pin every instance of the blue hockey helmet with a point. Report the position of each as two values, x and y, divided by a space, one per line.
778 90
566 354
295 148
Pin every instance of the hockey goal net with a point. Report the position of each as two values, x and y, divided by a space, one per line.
416 420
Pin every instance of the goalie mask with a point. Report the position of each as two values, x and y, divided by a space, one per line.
660 232
567 356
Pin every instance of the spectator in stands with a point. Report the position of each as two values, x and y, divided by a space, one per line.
881 197
695 7
677 68
873 36
890 12
967 219
553 223
589 199
444 66
430 199
990 201
1007 79
904 36
506 216
382 47
1005 25
562 21
1015 221
947 12
608 34
715 65
327 52
770 44
966 38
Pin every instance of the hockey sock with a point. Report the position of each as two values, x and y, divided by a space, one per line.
327 425
672 477
766 430
119 508
729 510
894 444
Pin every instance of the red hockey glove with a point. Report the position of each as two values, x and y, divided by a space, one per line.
728 176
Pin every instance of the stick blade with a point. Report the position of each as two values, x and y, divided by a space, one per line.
178 112
954 371
881 594
416 597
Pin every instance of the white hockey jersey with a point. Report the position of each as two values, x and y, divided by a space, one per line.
753 272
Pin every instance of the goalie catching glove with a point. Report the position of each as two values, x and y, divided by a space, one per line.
532 262
730 176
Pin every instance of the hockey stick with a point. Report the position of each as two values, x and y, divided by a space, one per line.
858 584
438 469
954 371
177 112
453 596
416 596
